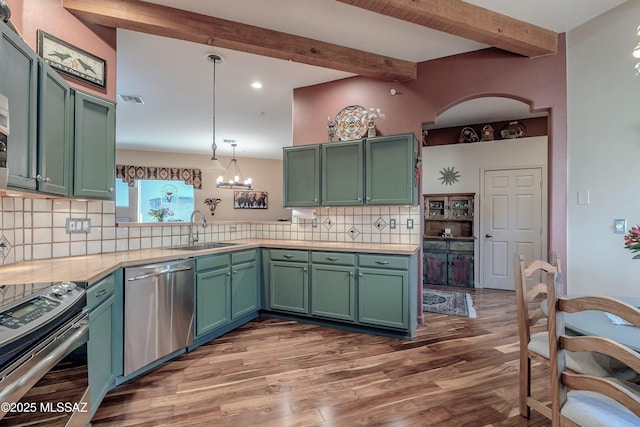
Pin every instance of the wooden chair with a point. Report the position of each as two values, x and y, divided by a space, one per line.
535 346
583 399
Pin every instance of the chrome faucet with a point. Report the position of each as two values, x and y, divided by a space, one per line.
194 238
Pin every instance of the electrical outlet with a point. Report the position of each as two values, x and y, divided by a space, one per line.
314 222
409 224
78 225
392 223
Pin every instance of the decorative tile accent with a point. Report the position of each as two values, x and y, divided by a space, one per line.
380 224
328 223
5 247
353 233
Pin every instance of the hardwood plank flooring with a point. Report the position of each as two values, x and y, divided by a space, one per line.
455 372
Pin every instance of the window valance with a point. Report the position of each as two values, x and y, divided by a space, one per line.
129 174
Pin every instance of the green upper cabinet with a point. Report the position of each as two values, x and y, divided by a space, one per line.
19 83
301 176
375 171
390 170
342 174
95 147
54 133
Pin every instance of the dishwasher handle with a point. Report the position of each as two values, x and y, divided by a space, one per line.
159 273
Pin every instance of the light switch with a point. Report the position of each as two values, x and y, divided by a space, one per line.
409 224
583 197
392 223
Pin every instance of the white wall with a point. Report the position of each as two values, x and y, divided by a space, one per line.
471 160
603 151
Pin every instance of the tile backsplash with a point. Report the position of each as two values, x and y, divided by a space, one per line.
36 228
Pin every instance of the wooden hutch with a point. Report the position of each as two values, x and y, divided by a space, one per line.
448 242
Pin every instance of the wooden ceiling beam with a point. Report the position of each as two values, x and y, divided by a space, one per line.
180 24
469 21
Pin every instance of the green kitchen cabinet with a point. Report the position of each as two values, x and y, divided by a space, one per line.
343 174
244 283
94 147
390 163
301 186
333 288
54 133
384 297
105 346
212 293
289 281
226 289
19 83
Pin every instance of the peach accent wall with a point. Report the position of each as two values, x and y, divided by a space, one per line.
29 16
443 83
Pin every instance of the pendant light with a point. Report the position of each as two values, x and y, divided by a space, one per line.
232 177
215 166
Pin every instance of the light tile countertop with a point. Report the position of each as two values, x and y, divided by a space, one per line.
91 268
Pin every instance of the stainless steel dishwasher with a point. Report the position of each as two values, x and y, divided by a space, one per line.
158 312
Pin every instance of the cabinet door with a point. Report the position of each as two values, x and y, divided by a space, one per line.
333 291
383 297
18 82
460 270
244 289
54 133
390 170
435 207
460 207
342 174
213 300
95 147
289 287
301 176
100 350
435 268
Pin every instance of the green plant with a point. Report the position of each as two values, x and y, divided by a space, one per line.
160 214
632 241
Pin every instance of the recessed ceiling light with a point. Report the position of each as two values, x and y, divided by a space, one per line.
256 85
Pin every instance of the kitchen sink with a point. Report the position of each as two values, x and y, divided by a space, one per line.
201 246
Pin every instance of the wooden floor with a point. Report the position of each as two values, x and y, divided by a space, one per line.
455 372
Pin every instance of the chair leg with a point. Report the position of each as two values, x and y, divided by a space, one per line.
525 386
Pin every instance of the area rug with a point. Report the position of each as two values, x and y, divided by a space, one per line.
454 303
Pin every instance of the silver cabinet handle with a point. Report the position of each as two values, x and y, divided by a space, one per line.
235 271
111 190
228 274
100 293
332 258
288 256
382 262
158 273
304 269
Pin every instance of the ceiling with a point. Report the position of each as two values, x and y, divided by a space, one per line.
175 82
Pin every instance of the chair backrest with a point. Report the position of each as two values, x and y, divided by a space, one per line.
541 273
559 343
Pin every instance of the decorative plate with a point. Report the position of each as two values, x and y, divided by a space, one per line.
351 122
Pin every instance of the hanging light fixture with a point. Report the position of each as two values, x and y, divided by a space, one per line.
234 175
216 166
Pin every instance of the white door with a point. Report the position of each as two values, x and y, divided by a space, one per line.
511 221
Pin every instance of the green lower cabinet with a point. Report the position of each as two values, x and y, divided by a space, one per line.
333 292
104 349
213 300
383 297
244 292
289 286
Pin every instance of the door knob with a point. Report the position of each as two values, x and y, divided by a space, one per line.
488 236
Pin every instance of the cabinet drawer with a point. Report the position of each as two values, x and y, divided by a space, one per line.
384 261
434 245
243 256
209 262
287 255
461 246
100 292
333 258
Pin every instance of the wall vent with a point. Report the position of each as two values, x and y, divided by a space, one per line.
131 99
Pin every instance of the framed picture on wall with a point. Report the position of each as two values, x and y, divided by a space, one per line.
250 200
72 60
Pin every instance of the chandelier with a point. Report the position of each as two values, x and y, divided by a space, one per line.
233 173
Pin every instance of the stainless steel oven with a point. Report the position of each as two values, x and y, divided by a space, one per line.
44 377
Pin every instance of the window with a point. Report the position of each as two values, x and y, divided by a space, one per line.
136 203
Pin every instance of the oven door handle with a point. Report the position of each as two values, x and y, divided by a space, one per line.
26 375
